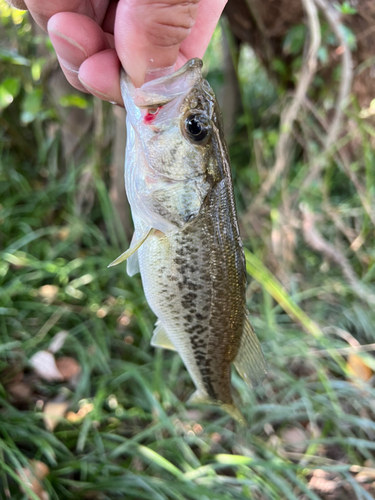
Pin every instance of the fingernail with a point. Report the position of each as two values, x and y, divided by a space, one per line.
69 51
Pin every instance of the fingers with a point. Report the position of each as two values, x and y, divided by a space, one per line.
109 19
148 34
43 10
75 38
100 75
195 45
17 4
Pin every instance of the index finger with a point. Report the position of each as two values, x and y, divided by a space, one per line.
43 10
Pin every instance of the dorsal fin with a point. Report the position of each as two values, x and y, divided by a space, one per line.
250 362
160 337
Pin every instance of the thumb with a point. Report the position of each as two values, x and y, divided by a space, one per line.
148 34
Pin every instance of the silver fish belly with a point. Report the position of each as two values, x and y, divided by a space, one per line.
186 242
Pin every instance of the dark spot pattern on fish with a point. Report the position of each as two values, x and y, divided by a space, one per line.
205 271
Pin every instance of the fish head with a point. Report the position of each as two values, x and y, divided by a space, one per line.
173 118
174 144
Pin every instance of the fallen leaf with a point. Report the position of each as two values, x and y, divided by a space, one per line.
294 439
357 366
322 481
44 364
32 477
82 412
19 391
68 367
85 409
48 292
40 469
58 341
63 233
53 412
73 417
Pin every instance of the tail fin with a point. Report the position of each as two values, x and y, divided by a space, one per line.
250 362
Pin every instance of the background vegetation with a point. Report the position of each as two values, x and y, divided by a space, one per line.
88 410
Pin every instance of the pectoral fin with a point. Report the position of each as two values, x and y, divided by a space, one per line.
160 338
132 265
133 247
178 202
250 362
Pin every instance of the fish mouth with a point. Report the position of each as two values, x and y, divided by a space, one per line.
158 92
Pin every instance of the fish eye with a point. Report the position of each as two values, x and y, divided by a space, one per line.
198 128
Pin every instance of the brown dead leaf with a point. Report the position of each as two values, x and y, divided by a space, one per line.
85 409
53 412
294 439
32 477
366 475
63 233
44 364
82 412
48 293
68 367
73 417
358 367
40 469
321 481
19 391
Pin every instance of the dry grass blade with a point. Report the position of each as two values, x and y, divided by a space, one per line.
333 18
254 11
342 160
290 114
316 241
261 274
127 432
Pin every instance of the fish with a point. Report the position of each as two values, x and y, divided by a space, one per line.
186 243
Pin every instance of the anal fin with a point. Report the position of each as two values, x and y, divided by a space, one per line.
250 362
133 247
160 338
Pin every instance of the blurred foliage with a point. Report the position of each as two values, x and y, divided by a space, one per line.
311 424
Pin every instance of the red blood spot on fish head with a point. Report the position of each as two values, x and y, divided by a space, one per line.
151 115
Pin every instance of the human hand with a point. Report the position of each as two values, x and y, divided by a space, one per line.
93 38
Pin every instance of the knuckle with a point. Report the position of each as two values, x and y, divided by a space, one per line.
164 35
168 23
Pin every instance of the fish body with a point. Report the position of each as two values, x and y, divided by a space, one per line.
186 243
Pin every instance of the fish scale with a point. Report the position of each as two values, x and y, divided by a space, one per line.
187 244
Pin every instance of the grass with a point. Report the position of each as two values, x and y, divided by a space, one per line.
312 418
140 439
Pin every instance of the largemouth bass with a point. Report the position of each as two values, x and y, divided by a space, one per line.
186 242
